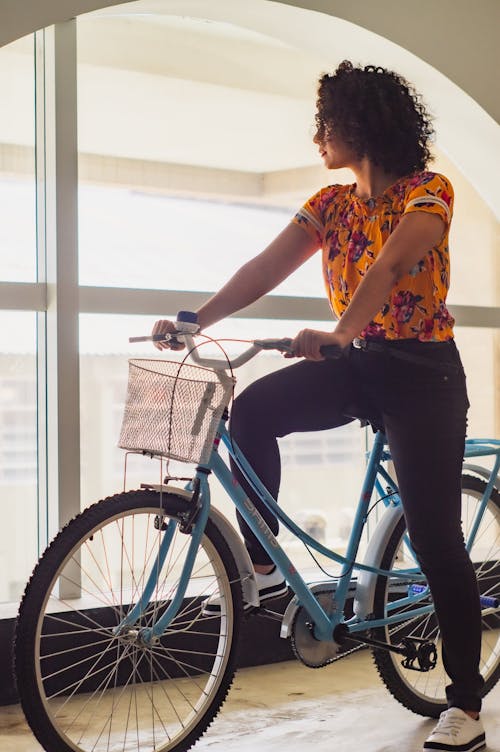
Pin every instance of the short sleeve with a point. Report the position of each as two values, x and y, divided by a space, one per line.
310 217
432 193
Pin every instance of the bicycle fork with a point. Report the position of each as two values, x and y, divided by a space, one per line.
194 525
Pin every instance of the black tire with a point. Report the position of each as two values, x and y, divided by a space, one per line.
84 687
424 693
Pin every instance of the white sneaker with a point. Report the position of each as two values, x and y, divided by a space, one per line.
456 732
270 585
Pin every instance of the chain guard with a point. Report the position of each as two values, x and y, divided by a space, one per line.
310 651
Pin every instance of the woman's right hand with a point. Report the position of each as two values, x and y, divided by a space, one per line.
164 326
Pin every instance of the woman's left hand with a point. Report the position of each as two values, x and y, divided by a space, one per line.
307 343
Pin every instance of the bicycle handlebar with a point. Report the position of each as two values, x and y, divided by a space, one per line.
331 352
282 345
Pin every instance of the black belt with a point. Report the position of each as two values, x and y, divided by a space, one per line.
390 347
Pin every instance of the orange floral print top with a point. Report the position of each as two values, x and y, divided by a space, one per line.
352 231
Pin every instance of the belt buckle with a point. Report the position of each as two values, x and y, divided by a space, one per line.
359 344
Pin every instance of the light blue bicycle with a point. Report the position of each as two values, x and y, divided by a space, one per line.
115 648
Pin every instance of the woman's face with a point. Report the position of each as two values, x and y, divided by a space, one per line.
334 151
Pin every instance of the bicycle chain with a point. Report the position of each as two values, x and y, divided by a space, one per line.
347 653
333 659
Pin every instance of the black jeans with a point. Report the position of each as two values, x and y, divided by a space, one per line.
422 407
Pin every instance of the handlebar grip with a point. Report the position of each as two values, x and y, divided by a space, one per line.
282 345
331 352
146 338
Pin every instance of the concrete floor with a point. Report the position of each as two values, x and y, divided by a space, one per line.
341 708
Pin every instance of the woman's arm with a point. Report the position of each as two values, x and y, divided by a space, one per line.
411 240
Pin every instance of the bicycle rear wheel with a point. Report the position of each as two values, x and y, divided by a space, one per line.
83 686
424 693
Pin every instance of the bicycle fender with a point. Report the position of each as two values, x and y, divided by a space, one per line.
241 556
482 472
364 596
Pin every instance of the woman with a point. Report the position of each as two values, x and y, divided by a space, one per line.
384 241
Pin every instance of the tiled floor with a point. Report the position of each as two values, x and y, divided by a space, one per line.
341 708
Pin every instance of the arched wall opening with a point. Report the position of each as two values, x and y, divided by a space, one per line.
214 102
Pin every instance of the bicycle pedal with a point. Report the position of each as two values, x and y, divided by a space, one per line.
421 654
250 610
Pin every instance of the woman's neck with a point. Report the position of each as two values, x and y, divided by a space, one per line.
372 180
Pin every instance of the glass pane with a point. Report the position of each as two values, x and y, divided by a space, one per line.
188 166
129 239
473 243
17 163
480 353
18 452
321 471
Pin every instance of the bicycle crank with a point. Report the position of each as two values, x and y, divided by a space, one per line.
418 654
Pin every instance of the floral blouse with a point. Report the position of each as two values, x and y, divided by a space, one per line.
352 231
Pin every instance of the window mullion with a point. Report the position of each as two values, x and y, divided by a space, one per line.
57 237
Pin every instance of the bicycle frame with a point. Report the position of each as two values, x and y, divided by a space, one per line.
376 474
324 625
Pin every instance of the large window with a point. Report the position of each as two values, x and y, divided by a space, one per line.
188 166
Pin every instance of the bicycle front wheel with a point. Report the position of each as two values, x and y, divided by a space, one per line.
424 693
88 686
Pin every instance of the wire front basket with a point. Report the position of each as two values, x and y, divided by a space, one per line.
173 409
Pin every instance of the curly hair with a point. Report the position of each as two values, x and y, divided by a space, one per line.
378 114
